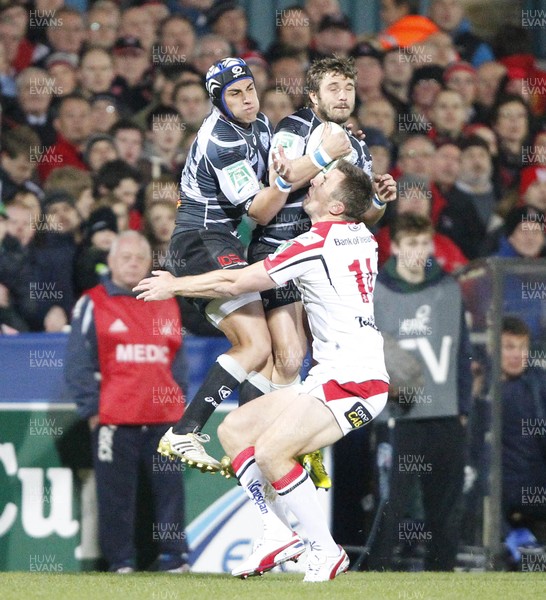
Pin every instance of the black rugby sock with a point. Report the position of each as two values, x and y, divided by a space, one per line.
223 377
254 386
248 392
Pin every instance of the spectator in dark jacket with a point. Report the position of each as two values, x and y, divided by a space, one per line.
51 254
524 234
19 154
523 398
524 420
471 204
14 280
120 179
511 121
133 84
100 231
35 91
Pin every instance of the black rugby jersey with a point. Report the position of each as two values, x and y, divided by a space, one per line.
292 133
224 170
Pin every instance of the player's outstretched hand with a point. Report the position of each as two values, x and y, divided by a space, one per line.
385 187
282 164
158 287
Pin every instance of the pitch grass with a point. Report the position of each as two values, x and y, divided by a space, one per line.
361 586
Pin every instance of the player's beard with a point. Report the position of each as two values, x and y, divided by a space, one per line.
333 115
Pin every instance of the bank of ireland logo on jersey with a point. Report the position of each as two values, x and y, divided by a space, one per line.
242 178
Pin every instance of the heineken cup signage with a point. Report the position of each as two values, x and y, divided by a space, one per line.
48 507
39 498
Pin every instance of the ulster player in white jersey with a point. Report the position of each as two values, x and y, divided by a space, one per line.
330 83
334 266
327 264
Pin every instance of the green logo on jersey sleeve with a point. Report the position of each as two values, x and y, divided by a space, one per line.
242 178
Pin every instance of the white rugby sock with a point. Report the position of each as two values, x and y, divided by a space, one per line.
232 367
280 386
263 496
298 492
260 381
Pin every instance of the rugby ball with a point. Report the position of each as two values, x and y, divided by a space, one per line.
315 139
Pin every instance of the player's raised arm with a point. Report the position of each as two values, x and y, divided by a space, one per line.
270 200
333 145
215 284
385 191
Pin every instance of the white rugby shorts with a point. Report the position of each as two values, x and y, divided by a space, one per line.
352 403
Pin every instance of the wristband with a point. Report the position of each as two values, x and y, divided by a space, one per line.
320 158
378 203
283 185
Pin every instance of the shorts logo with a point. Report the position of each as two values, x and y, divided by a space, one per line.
228 260
224 392
358 416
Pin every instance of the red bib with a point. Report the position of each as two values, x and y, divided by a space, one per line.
137 342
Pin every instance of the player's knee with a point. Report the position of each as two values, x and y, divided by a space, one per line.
258 348
288 362
227 431
262 350
223 432
288 353
263 456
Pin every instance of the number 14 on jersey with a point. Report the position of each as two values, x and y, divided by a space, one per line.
364 281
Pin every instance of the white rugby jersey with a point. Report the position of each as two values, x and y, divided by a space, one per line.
334 266
225 166
292 133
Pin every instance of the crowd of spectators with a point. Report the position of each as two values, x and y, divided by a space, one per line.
99 109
